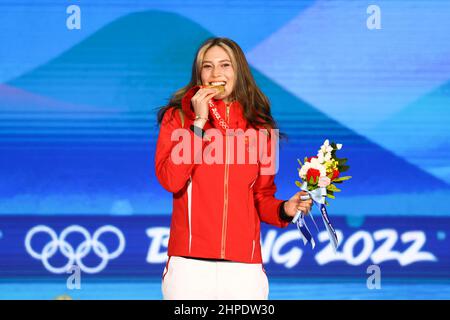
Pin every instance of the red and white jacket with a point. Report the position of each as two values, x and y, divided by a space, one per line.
217 208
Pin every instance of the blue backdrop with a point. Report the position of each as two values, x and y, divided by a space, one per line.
78 129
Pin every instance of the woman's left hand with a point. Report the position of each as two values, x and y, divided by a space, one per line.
295 203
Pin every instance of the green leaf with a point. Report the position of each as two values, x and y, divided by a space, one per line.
298 184
305 160
343 168
342 161
340 179
333 188
299 163
326 203
311 181
331 196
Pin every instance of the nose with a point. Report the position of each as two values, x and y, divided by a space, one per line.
216 72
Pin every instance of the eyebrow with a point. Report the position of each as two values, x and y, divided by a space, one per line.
207 61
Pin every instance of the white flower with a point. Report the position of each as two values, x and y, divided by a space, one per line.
339 146
327 157
314 164
324 182
325 148
320 158
300 172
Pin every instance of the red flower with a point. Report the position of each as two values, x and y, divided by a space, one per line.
335 174
314 174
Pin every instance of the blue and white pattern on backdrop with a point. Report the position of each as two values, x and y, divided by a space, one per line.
78 129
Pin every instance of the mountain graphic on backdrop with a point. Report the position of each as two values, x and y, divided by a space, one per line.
133 64
17 100
424 124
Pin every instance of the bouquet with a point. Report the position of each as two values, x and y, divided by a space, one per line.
319 175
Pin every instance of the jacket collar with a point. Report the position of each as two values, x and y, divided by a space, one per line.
236 117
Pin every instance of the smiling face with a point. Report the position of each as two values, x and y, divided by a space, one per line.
217 69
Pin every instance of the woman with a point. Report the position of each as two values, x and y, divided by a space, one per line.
214 246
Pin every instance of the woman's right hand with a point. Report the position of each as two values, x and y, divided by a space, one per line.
200 101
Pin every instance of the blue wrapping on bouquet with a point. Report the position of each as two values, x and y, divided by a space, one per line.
318 196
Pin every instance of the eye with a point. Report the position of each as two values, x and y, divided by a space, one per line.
206 66
225 65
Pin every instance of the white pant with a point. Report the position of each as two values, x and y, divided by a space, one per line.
193 279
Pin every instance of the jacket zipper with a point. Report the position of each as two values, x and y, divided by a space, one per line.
225 191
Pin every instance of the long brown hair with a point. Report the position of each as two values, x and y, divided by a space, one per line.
256 106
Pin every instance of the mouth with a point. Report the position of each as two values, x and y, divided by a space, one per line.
218 83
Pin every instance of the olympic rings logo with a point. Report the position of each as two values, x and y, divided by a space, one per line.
75 255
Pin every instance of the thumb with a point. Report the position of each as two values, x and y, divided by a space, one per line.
296 197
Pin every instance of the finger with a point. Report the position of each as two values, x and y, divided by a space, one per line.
199 95
295 196
304 206
207 96
211 94
205 91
